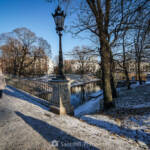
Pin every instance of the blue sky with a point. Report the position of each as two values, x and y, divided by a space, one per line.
35 15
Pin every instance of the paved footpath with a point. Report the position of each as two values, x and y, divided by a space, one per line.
27 125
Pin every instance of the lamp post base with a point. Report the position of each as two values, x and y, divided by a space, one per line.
59 77
60 101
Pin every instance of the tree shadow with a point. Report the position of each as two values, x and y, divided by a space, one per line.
136 135
126 112
61 139
10 91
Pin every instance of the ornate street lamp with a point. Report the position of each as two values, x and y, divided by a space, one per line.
59 17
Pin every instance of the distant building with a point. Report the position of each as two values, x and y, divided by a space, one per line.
132 70
74 66
50 66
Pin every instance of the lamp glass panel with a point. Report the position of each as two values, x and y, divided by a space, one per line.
59 21
56 20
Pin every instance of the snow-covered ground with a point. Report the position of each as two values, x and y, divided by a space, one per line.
127 99
91 106
88 108
26 125
136 97
130 119
132 128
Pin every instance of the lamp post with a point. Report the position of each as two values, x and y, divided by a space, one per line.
60 99
59 17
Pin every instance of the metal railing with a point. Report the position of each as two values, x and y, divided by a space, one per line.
43 89
37 88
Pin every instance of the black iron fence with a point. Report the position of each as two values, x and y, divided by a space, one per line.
37 88
80 93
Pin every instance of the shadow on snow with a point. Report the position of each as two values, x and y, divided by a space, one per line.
136 135
51 133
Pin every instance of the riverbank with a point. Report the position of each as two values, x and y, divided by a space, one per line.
96 103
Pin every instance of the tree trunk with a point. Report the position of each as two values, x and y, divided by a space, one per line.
127 78
124 63
113 88
112 69
139 72
15 67
105 55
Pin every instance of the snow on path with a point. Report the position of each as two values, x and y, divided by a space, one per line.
33 127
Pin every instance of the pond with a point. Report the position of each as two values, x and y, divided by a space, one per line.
80 94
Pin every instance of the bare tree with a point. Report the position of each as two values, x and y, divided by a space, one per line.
83 59
139 51
124 55
21 48
104 18
140 40
68 66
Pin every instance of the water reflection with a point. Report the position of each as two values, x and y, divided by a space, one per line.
80 94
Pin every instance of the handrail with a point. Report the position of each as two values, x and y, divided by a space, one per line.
37 88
